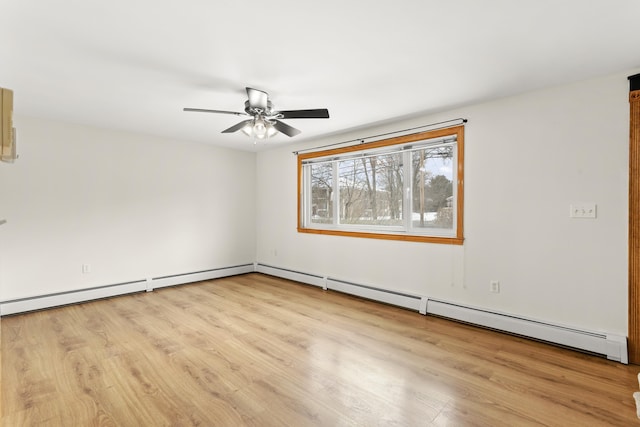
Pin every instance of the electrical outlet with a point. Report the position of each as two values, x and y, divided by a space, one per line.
494 286
86 268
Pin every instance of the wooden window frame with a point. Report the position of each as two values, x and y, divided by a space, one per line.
458 239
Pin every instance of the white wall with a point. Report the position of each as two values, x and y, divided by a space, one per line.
136 207
527 159
131 206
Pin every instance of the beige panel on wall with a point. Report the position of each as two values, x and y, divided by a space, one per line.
7 145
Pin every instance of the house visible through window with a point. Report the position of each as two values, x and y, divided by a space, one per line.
404 188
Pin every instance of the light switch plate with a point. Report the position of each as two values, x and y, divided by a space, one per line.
583 210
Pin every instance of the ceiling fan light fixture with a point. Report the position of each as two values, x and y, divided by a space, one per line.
271 131
259 128
247 129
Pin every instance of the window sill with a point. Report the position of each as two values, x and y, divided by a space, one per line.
387 236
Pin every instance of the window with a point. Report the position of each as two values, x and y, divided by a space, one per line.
404 188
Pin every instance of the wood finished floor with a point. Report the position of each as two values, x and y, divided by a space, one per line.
255 350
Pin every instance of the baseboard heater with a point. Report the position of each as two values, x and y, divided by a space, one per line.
410 301
82 295
612 346
216 273
400 299
297 276
71 297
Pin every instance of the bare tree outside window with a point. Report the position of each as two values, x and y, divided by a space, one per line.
432 187
322 193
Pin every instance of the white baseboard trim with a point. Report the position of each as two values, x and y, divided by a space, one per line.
400 299
216 273
612 346
71 297
82 295
297 276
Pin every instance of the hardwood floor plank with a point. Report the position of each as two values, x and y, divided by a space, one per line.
255 350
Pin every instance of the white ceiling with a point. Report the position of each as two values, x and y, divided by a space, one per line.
134 64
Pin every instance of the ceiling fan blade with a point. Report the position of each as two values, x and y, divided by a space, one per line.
238 126
258 99
285 128
319 113
201 110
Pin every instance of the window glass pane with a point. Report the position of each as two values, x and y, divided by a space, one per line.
432 188
321 193
371 190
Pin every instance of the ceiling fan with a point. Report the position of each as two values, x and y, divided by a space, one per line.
265 121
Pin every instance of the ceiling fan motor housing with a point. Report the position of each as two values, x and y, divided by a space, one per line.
252 110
